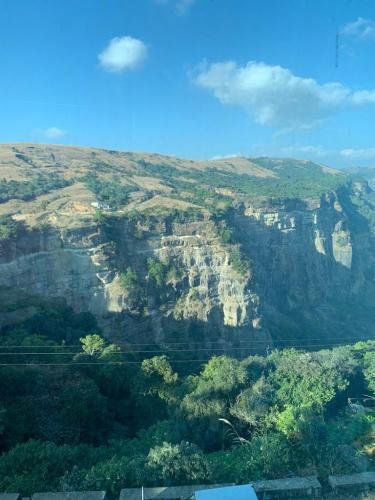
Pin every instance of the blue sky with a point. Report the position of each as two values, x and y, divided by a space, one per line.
193 78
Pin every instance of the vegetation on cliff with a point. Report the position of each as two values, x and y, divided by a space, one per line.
28 190
291 179
10 228
111 192
114 177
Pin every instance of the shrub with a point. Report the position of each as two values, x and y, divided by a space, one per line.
129 281
178 463
225 234
111 192
10 228
239 262
156 271
101 218
28 190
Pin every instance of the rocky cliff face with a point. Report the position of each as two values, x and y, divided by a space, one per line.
262 273
308 269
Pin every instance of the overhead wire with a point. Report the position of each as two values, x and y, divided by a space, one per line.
198 342
166 351
124 362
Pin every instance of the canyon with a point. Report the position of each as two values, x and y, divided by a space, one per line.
242 253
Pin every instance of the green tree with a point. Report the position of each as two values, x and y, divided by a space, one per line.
209 393
158 378
182 463
84 411
93 345
129 281
112 475
9 227
252 404
239 262
225 234
156 271
101 218
267 456
39 466
308 380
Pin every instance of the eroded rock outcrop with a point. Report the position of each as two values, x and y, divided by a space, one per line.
304 261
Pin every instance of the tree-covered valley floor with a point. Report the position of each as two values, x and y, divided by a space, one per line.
84 416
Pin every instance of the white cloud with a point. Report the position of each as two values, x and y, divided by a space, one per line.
363 97
360 154
363 29
123 53
274 96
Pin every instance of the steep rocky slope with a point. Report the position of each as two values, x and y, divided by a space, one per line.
247 252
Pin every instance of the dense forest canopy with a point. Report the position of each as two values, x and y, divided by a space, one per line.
86 414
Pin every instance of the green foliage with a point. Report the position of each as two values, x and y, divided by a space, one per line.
158 378
225 234
310 380
111 192
101 218
268 456
111 426
369 369
93 345
209 392
38 466
52 319
129 281
182 463
111 475
10 228
84 411
156 271
253 404
239 262
28 190
292 179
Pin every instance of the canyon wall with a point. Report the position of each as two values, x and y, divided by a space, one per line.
309 274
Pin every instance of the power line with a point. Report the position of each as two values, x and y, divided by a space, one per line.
164 351
198 342
101 363
95 363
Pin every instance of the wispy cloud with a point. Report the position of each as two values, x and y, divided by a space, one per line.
362 29
309 150
123 54
358 154
274 96
181 6
50 132
225 157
